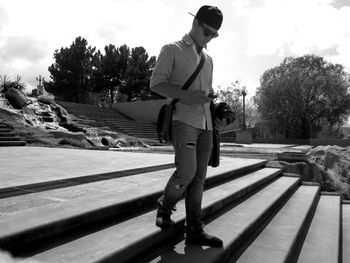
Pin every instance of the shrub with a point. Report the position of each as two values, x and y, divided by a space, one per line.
47 99
73 142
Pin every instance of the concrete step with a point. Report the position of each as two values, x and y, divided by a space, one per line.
92 115
129 125
62 217
10 138
95 112
323 240
260 215
25 189
113 120
4 130
143 135
139 133
140 129
149 138
102 117
135 129
281 239
7 134
123 241
90 110
132 128
12 143
346 232
49 165
97 119
234 226
85 107
292 156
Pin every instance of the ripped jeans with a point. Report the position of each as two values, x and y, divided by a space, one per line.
192 152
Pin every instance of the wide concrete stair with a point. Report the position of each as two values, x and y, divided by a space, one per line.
8 137
111 118
261 215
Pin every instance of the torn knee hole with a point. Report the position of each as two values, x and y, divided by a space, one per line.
190 144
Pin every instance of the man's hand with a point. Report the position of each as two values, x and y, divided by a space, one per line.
195 97
220 124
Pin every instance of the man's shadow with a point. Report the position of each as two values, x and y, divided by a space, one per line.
192 254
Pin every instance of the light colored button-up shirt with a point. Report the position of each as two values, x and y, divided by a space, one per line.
175 64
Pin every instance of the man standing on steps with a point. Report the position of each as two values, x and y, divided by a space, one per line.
192 123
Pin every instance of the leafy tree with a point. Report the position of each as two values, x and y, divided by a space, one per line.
300 95
122 65
138 75
71 73
79 69
33 93
110 69
106 75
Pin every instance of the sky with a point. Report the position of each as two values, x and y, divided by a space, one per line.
256 35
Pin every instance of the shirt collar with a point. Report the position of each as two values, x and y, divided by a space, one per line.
189 41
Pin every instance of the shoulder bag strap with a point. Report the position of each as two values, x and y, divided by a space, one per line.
191 78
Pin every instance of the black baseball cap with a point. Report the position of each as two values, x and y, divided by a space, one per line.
210 15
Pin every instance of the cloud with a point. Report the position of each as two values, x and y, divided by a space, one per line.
296 27
50 25
4 18
340 3
108 28
25 48
24 56
255 35
258 35
343 54
137 23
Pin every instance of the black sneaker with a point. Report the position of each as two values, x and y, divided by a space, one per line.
203 239
163 220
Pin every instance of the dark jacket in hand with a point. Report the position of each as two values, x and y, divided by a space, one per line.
219 110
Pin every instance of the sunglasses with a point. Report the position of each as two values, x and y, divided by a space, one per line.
207 32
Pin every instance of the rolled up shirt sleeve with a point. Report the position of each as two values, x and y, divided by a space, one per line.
164 66
211 76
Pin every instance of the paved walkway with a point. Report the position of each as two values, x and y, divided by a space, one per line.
33 165
30 165
264 148
257 145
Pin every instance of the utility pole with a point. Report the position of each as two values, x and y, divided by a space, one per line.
244 135
244 93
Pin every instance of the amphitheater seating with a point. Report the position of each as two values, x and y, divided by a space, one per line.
8 137
111 118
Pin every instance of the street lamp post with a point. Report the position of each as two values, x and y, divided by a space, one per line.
244 135
244 93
